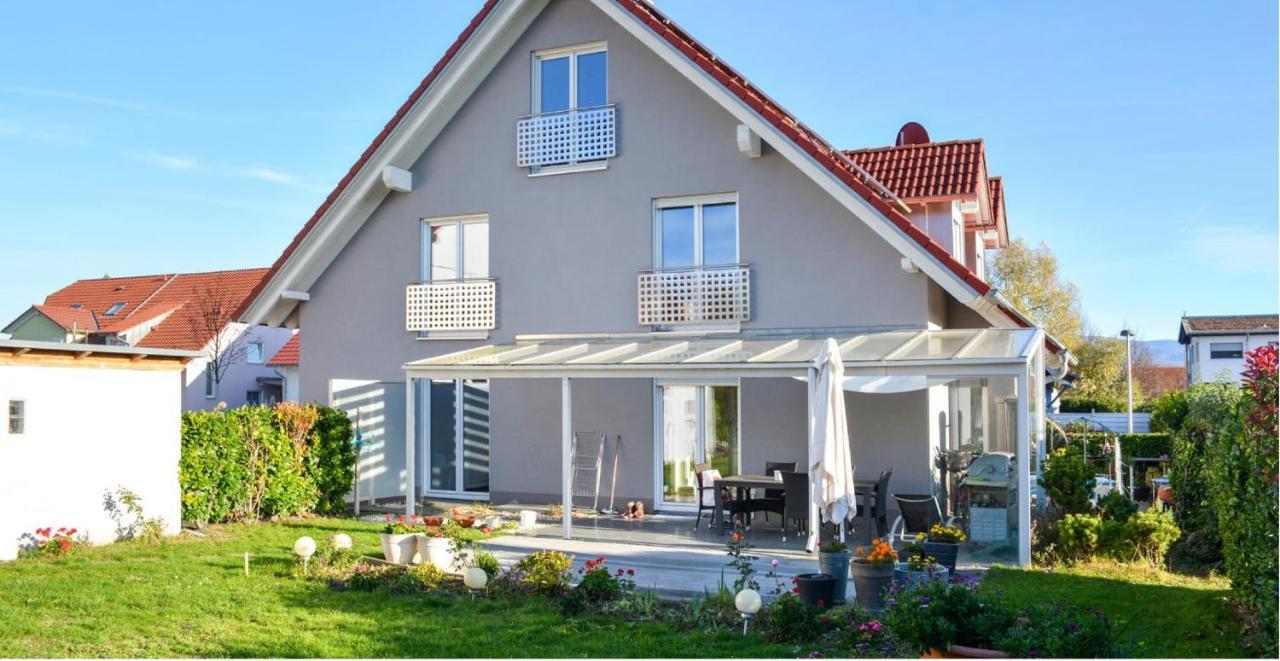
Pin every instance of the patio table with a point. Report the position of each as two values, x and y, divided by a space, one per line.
863 489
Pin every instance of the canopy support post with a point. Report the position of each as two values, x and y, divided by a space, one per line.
815 521
566 455
410 462
1023 464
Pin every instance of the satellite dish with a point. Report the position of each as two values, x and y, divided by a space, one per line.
912 133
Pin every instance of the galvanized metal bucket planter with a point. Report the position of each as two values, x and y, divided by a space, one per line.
837 565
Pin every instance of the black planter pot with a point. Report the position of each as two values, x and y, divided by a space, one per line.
945 554
817 589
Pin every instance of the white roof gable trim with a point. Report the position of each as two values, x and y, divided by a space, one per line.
464 74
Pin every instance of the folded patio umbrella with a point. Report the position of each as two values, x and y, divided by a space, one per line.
830 462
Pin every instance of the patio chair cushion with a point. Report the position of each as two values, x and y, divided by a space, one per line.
707 482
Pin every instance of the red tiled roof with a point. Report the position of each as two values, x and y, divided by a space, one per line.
149 297
69 318
288 354
930 171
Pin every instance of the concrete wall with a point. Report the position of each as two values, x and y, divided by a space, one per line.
565 250
239 377
88 431
1205 369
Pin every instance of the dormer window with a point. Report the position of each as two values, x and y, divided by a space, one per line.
114 309
572 124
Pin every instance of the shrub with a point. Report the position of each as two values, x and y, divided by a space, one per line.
1092 405
1078 536
1169 410
213 468
486 561
546 572
331 459
1211 416
1153 531
938 614
854 633
789 620
1115 506
1054 631
1068 482
428 576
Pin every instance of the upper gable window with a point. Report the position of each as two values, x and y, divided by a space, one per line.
568 78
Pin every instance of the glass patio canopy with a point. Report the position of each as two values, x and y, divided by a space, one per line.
953 352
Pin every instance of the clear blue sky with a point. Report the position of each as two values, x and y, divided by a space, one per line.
1137 139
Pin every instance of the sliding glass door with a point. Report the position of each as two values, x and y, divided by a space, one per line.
457 437
698 424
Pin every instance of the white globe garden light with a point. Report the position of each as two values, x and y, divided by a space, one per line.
304 548
341 541
748 603
475 579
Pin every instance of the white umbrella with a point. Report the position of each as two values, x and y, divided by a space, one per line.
830 463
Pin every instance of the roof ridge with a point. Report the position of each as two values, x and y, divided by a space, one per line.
170 275
943 143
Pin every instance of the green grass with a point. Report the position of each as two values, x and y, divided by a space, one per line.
190 597
1154 613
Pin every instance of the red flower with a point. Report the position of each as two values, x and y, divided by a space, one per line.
387 517
795 590
821 602
631 572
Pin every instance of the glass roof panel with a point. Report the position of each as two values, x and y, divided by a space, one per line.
875 346
937 345
1000 343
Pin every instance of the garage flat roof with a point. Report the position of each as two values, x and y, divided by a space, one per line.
19 348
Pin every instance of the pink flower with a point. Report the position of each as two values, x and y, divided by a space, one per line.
774 563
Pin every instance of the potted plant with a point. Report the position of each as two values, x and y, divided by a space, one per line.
435 548
943 543
872 569
920 567
833 559
399 539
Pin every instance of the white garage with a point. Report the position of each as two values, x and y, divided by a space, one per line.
80 421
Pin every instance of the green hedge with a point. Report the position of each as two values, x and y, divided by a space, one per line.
1090 405
243 464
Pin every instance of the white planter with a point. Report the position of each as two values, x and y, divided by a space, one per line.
494 522
436 551
399 549
528 519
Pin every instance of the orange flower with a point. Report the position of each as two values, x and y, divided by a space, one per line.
737 536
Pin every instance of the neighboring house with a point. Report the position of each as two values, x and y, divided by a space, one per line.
80 421
604 228
185 311
285 361
1216 345
1115 423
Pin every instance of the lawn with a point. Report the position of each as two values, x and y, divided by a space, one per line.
190 597
1155 613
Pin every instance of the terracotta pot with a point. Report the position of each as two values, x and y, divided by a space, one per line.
870 581
399 549
432 521
466 521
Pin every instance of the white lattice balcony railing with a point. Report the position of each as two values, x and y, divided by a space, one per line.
451 305
695 295
566 137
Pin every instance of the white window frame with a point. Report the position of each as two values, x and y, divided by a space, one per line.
423 390
424 268
9 417
248 358
1221 344
659 424
697 202
115 308
535 96
210 383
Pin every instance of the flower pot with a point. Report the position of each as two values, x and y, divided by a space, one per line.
817 589
493 522
437 551
908 578
837 566
944 553
399 549
870 581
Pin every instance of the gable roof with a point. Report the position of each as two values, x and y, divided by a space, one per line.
69 318
926 172
953 275
289 354
1237 324
164 299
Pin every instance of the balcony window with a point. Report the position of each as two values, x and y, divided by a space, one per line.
696 232
697 280
572 124
456 294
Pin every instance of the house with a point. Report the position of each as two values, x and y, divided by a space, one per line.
183 311
285 361
1216 345
55 468
607 231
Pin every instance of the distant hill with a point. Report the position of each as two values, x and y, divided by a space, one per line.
1166 352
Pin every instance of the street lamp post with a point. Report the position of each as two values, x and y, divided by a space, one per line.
1128 365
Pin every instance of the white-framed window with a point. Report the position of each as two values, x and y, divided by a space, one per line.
455 248
957 238
570 77
695 231
1226 350
253 353
114 309
17 416
210 384
253 397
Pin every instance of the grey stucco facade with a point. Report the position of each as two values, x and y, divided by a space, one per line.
565 251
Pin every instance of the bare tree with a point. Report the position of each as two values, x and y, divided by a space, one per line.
208 315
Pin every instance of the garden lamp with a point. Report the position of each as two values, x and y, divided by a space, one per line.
304 548
341 541
475 579
748 603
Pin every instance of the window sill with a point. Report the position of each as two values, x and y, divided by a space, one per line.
569 169
453 335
